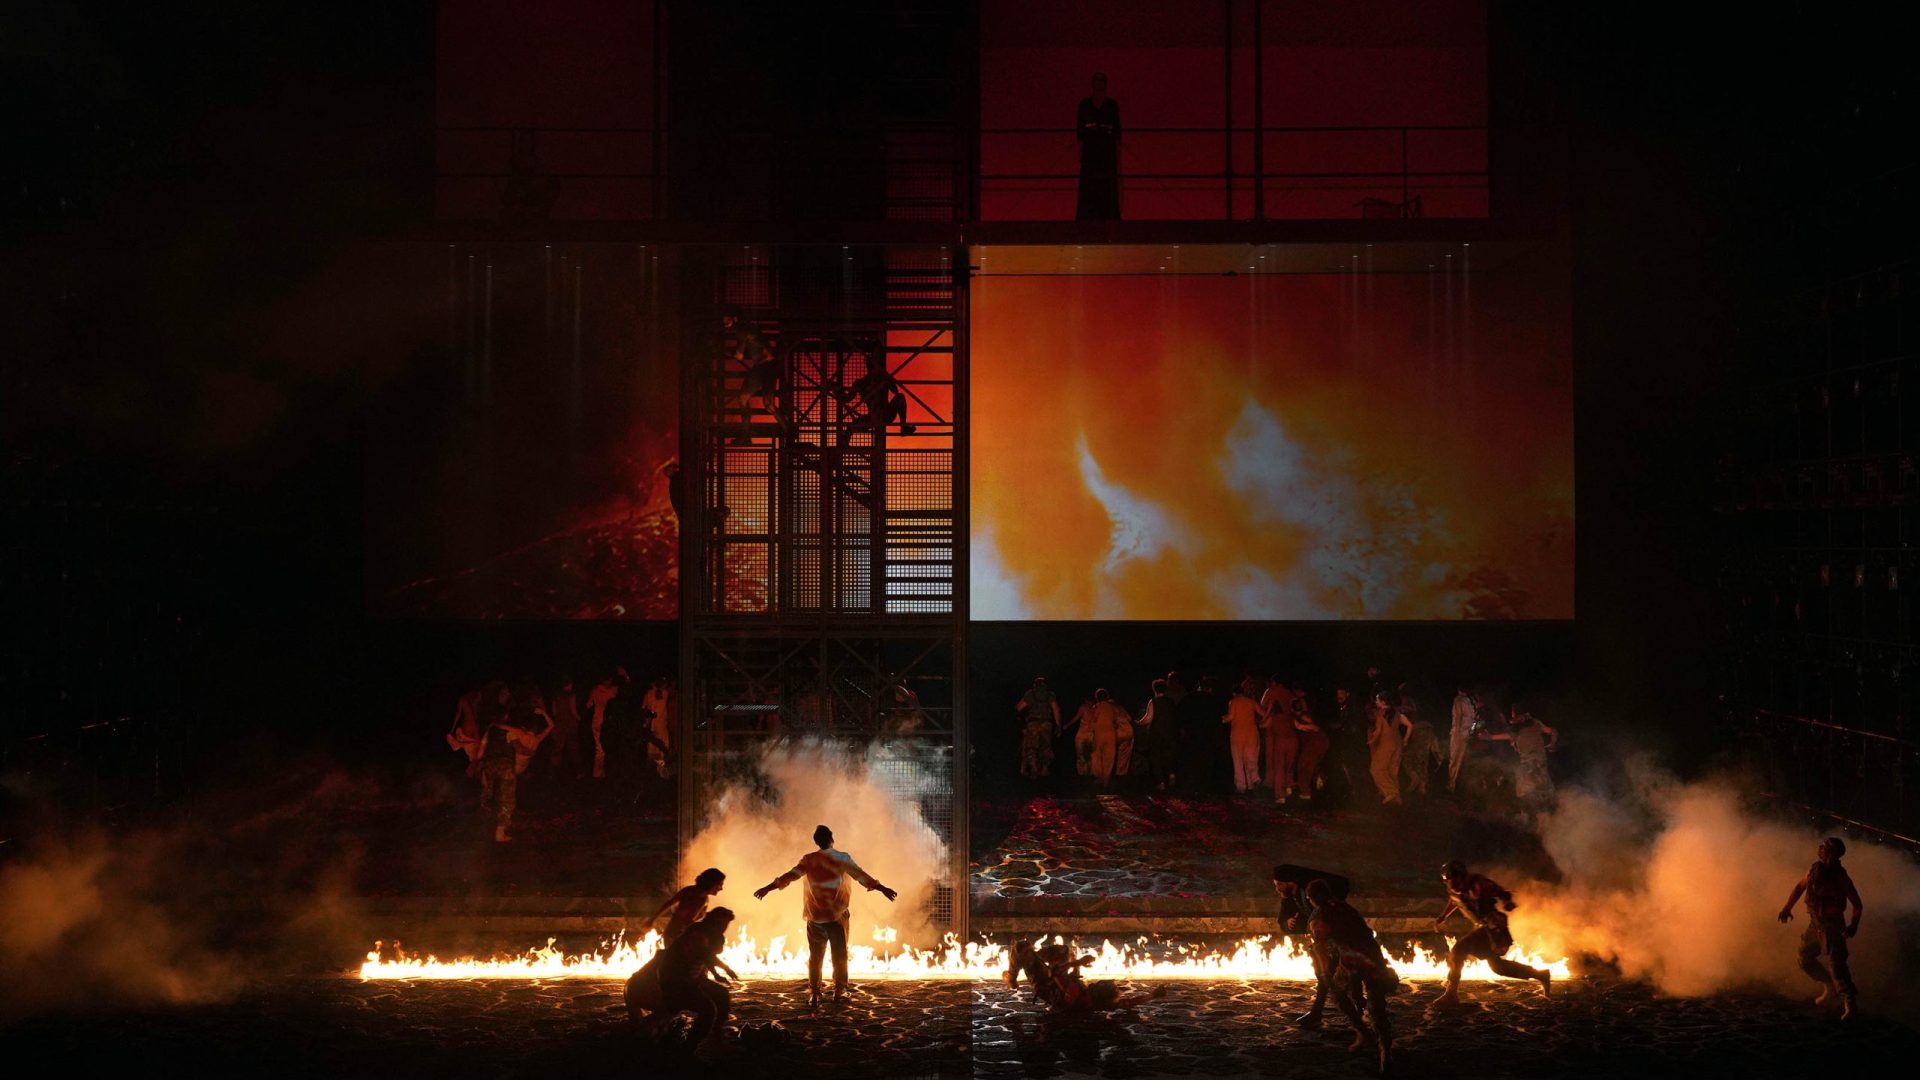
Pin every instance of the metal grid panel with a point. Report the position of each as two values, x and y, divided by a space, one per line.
925 777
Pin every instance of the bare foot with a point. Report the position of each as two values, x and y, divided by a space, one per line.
1825 993
1359 1039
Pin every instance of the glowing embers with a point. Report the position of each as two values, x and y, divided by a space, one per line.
1262 958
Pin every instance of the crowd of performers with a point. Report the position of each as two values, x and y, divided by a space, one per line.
614 733
1267 735
1350 968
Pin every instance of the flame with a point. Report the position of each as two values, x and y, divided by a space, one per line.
1263 958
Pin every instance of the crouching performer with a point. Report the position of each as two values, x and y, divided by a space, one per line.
1361 979
1829 891
1057 983
678 979
1296 921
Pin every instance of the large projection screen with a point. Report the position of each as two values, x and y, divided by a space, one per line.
1273 446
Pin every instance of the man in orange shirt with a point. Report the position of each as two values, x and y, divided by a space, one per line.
828 897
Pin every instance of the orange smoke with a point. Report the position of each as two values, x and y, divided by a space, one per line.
1270 447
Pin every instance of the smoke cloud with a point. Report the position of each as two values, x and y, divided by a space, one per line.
758 829
1681 883
83 923
183 913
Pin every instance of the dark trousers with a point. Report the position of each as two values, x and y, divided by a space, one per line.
1355 994
1827 936
707 1000
1164 756
1489 945
819 936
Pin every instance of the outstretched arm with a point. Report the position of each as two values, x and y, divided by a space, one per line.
672 902
780 882
866 879
1786 910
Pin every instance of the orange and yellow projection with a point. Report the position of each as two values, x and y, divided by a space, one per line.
1272 447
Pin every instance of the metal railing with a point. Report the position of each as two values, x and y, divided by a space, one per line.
1388 161
616 172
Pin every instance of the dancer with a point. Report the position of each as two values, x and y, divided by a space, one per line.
658 702
1344 945
1296 920
1040 711
471 715
1420 751
1531 741
1244 719
1082 727
1104 719
530 723
1163 735
826 906
1125 734
598 699
499 774
1055 974
1829 892
1465 712
677 980
689 905
1386 733
1313 750
1283 739
563 752
1486 903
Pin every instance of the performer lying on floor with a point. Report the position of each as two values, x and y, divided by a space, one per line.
1055 974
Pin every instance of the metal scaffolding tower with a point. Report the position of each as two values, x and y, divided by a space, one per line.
823 443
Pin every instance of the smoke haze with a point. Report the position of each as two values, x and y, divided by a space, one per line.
756 833
1680 884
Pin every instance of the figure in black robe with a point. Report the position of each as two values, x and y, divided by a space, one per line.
1097 127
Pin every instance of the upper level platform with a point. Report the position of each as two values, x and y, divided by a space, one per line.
1240 121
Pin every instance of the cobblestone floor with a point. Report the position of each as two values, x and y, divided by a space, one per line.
1152 845
333 1026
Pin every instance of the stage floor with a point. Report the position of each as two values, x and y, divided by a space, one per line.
1212 856
337 1026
